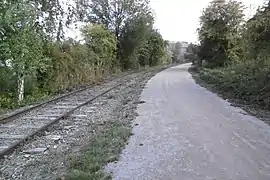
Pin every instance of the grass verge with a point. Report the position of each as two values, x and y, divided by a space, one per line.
239 85
3 111
103 147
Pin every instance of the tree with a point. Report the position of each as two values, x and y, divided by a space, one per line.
54 16
192 53
21 42
37 58
219 32
103 43
176 51
257 34
157 48
133 42
129 20
114 14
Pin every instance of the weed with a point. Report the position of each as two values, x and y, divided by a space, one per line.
104 147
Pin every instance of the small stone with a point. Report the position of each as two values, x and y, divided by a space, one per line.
89 111
68 127
141 144
110 97
36 150
97 103
26 155
79 115
125 102
55 138
46 152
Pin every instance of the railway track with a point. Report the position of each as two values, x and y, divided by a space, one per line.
20 127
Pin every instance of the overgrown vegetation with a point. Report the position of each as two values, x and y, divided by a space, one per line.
104 147
38 60
233 54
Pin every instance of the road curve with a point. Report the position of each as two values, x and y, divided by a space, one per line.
185 132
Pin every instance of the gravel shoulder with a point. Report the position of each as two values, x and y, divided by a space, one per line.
79 146
183 131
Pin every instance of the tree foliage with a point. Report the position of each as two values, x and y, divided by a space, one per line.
219 32
192 53
256 35
37 58
132 23
243 47
103 43
21 40
113 14
177 51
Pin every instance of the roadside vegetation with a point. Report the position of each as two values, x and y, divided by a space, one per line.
233 53
38 60
103 148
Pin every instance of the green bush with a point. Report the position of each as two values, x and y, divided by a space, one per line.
7 101
247 81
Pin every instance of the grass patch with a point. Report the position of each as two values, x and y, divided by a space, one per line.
3 111
246 82
244 85
103 147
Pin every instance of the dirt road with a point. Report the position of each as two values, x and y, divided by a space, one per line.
184 132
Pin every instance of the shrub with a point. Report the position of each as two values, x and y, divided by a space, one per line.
246 81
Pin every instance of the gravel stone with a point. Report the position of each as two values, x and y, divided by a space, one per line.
55 138
72 132
35 151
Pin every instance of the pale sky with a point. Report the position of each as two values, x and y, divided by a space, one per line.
177 20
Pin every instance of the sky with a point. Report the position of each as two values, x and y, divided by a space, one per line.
177 20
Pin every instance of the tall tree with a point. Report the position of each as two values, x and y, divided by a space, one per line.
103 43
219 31
21 41
257 34
134 40
129 20
54 16
114 14
176 51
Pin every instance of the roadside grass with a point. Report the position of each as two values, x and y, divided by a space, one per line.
236 86
3 111
103 147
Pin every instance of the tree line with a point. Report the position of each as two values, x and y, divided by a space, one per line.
233 52
37 60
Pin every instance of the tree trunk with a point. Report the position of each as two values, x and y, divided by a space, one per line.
20 89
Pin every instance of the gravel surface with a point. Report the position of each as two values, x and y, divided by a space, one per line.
7 112
48 155
186 132
41 116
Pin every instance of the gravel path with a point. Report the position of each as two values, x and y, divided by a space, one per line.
65 140
186 132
